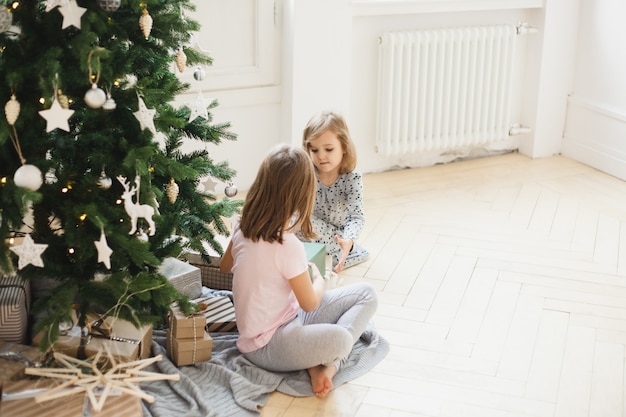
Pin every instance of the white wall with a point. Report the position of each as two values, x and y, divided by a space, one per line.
326 58
551 63
595 129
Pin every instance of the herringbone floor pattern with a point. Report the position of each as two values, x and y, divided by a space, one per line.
502 283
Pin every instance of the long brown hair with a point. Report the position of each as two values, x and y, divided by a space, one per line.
328 120
281 197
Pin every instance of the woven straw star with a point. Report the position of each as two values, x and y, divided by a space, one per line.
121 377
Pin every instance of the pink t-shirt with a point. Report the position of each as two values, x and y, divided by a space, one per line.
262 294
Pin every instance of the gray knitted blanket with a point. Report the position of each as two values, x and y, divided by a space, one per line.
230 385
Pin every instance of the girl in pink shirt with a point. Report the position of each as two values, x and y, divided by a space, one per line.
286 319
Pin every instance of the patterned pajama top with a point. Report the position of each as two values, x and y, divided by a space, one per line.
339 210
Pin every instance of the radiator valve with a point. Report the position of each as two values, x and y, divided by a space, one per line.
518 129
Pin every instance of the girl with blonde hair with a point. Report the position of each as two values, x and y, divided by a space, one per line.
338 217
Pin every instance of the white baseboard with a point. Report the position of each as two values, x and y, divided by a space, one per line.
595 134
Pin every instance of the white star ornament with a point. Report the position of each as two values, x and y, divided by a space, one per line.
29 252
199 108
145 117
104 251
51 4
72 13
57 117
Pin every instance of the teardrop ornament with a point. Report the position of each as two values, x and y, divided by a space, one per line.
181 60
145 23
12 110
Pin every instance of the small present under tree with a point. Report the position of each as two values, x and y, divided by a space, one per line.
95 190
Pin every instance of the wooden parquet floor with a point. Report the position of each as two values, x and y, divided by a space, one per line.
502 285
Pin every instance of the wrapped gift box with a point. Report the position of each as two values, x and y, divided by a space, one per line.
125 342
183 276
219 313
316 253
14 308
186 327
210 272
214 257
189 351
121 405
13 360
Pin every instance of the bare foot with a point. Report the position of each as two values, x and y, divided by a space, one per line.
322 379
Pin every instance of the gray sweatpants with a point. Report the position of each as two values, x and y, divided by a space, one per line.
324 336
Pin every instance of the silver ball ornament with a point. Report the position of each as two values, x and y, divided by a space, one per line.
51 177
230 190
142 236
65 326
28 176
104 181
109 5
199 74
95 97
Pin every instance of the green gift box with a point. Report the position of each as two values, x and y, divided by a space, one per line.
316 253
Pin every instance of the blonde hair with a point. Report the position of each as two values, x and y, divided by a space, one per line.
281 197
328 120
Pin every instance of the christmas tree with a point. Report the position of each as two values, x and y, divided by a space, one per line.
95 190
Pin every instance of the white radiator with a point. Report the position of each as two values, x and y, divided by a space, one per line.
445 88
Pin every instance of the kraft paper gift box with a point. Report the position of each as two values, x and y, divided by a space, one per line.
316 253
189 351
125 342
14 358
219 313
120 405
186 278
15 301
186 327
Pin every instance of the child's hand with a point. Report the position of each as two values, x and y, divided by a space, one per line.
346 247
319 283
315 272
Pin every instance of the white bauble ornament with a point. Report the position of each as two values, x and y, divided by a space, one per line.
28 176
199 74
95 97
172 191
6 19
109 5
12 110
230 190
109 104
145 23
